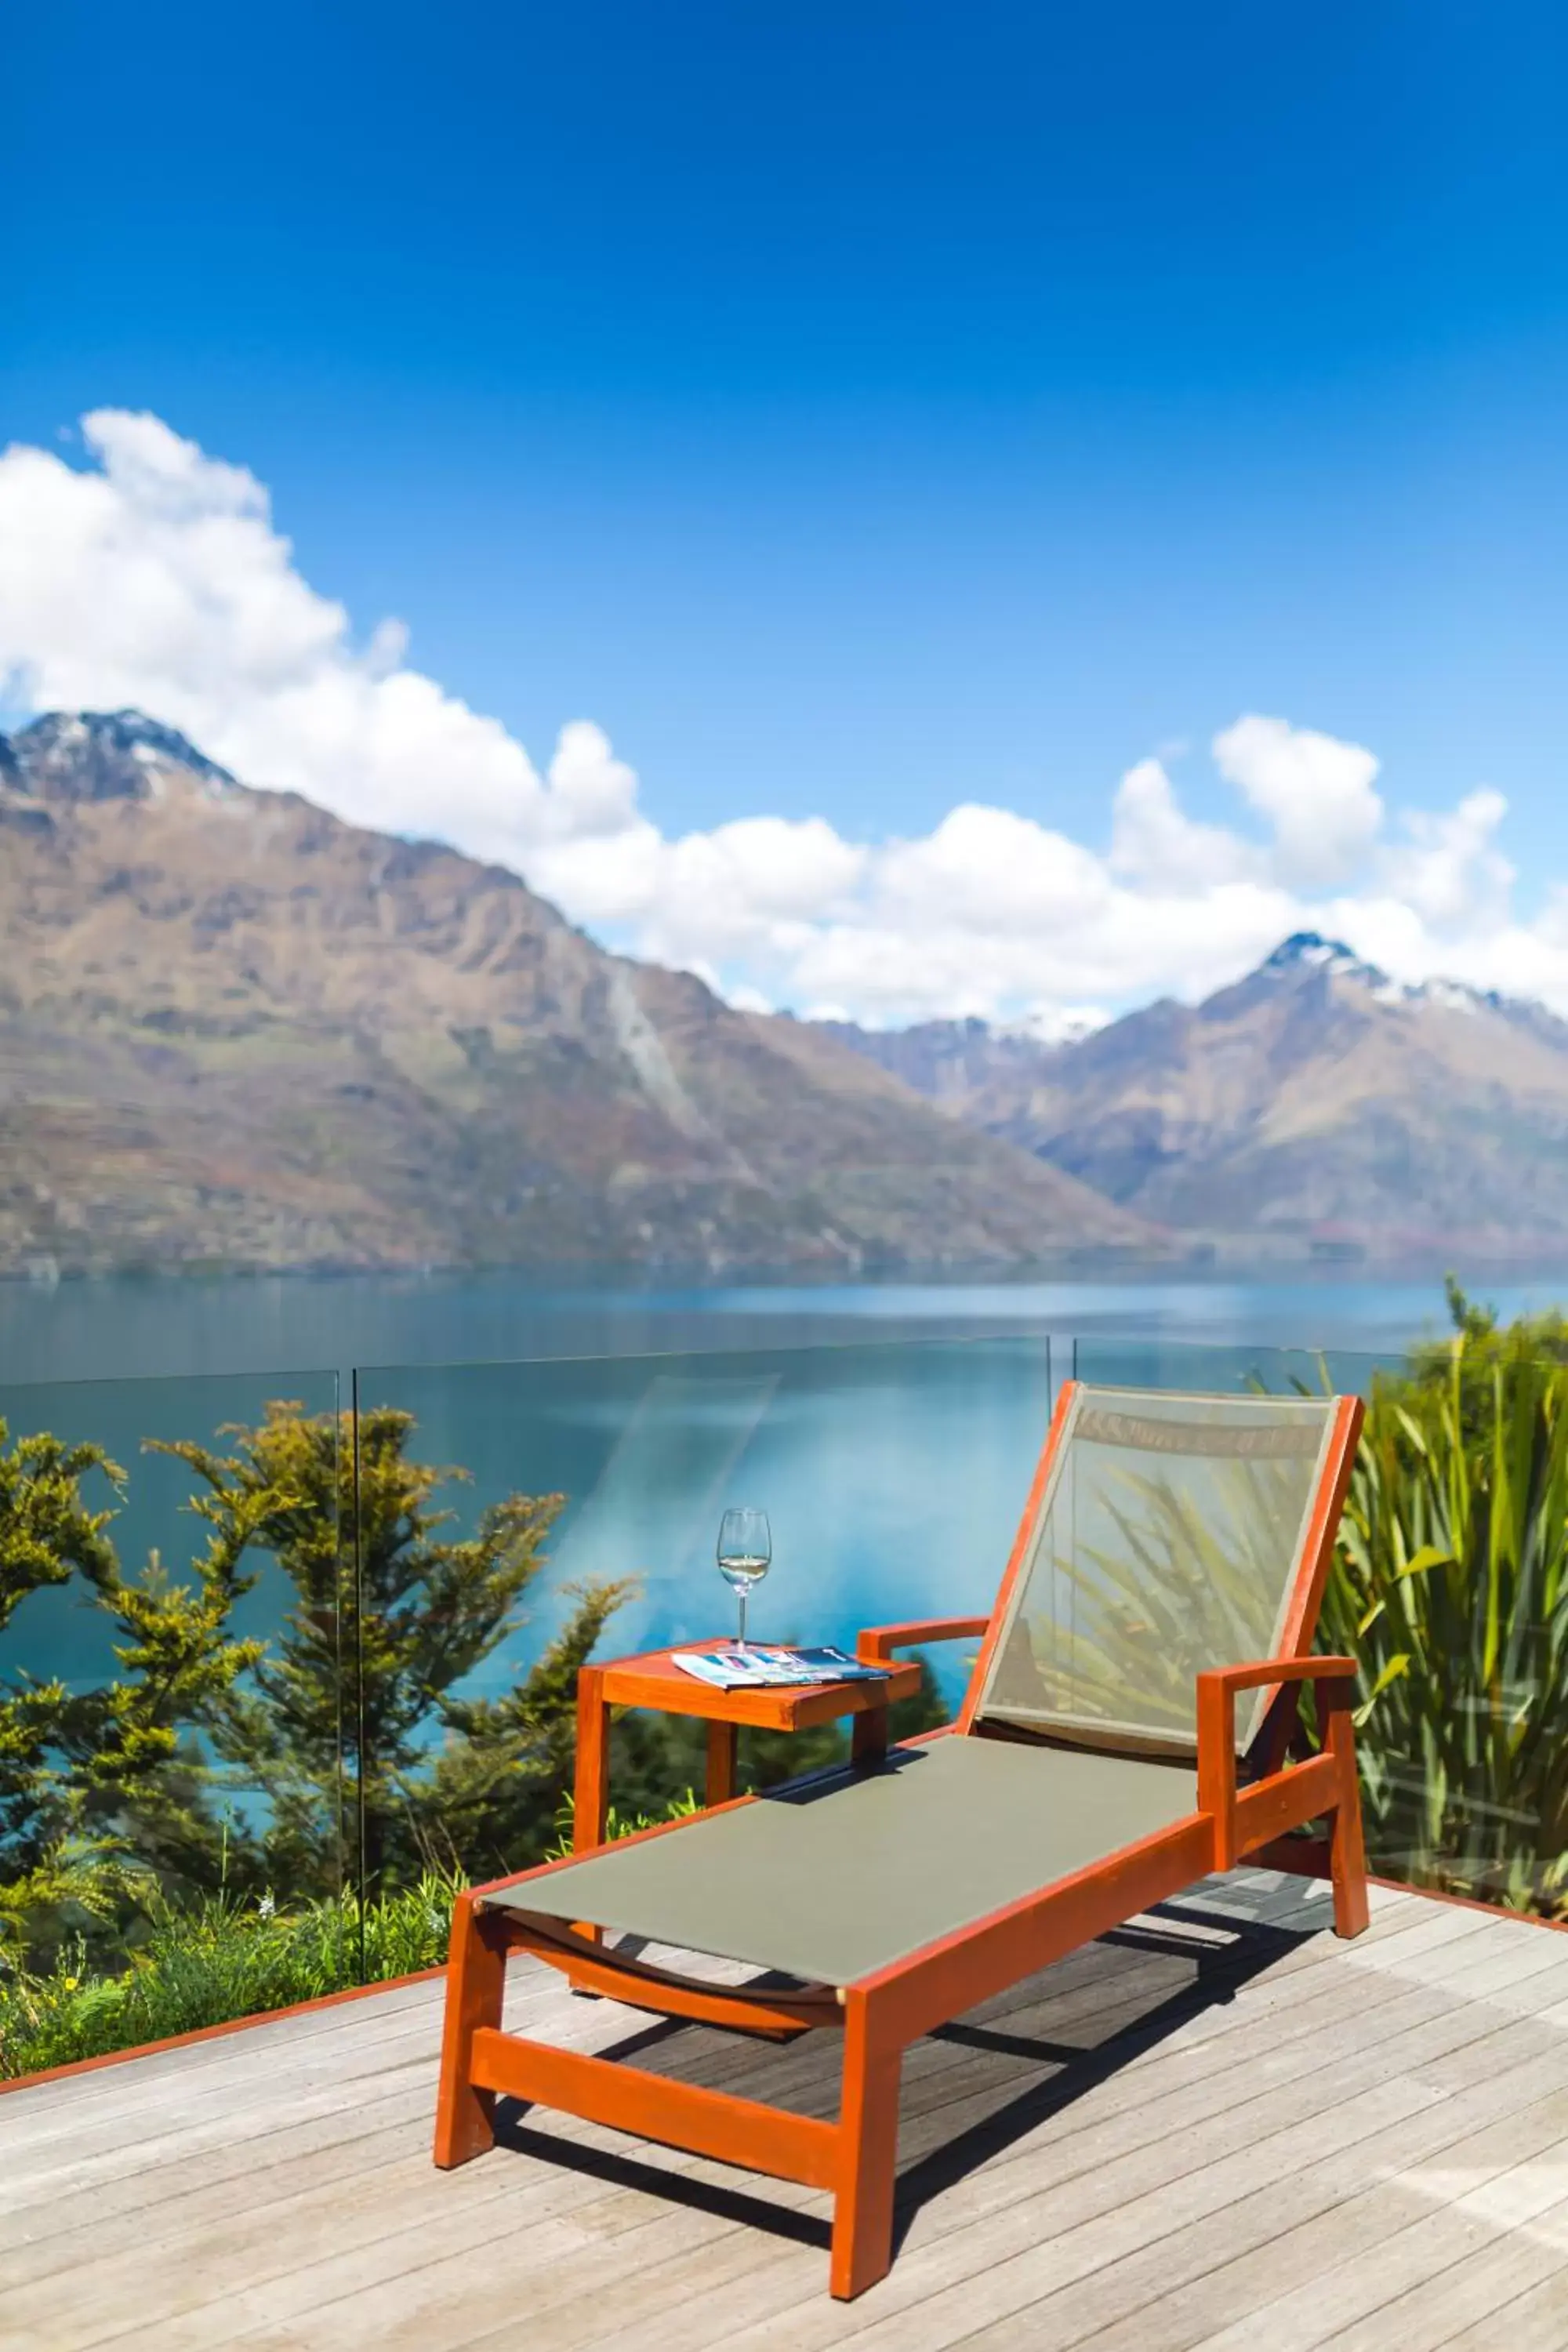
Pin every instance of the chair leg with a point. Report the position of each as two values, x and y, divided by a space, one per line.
475 1986
869 2142
1347 1850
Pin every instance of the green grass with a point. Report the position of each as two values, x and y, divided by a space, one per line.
224 1958
619 1824
221 1961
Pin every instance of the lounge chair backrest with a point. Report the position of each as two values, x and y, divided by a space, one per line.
1167 1533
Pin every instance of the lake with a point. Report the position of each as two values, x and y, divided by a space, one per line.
130 1328
889 1429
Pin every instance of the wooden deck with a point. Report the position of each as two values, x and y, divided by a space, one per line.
1219 2128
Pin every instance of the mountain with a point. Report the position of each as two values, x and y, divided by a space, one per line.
237 1032
951 1063
1315 1107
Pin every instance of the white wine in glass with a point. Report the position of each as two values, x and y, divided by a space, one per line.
745 1551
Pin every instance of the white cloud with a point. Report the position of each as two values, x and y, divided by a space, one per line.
988 869
153 576
1448 869
1154 843
591 793
1316 792
156 579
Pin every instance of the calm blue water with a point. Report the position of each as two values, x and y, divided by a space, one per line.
890 1430
128 1329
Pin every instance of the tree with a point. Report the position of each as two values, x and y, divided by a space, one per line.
391 1613
101 1789
349 1748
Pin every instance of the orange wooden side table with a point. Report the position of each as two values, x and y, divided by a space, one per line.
654 1681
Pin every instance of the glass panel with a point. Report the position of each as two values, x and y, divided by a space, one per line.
1450 1586
1240 1368
1167 1542
171 1806
585 1500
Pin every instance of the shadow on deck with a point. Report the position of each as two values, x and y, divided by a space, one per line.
1215 2124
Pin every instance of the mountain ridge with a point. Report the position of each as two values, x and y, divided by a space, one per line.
236 1032
1313 1106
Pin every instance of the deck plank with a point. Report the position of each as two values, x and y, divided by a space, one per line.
1068 2240
1536 2321
1221 2127
1532 2251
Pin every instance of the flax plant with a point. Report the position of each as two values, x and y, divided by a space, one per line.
1450 1587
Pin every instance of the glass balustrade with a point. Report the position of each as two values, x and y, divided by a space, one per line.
592 1490
275 1676
1450 1585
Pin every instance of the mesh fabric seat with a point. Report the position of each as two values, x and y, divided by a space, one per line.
834 1878
1166 1540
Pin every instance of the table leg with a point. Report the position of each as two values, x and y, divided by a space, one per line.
591 1805
590 1795
868 1736
721 1745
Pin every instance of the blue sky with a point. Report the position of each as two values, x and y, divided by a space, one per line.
858 411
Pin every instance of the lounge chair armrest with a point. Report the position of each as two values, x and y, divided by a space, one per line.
1269 1749
1260 1671
876 1645
1217 1688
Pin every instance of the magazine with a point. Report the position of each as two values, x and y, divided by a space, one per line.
755 1668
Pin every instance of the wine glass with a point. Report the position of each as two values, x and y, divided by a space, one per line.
746 1549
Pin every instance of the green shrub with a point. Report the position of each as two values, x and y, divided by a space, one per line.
227 1958
1450 1587
130 1802
224 1958
619 1824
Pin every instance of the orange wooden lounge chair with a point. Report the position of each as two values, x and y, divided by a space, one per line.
1125 1732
